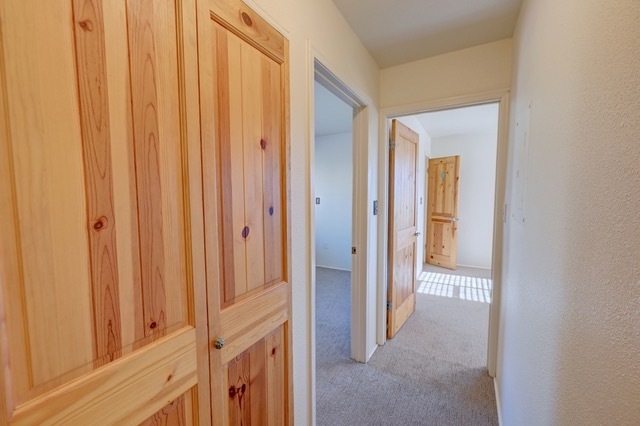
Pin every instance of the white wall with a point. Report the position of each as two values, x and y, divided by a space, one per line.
477 69
477 192
333 184
317 27
570 331
424 151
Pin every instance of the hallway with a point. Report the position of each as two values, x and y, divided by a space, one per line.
431 373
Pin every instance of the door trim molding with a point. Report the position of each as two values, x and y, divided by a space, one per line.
320 69
501 97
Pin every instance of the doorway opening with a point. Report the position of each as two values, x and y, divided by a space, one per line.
339 227
333 198
475 275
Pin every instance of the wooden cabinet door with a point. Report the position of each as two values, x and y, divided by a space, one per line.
403 208
96 276
243 82
442 212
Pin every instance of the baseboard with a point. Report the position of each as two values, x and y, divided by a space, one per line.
372 352
498 404
475 267
333 267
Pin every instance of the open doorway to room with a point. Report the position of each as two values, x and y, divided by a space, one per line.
459 216
456 179
460 185
333 182
339 233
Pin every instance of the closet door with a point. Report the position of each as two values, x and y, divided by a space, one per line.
96 254
244 98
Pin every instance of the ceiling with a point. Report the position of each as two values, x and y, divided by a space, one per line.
475 119
400 31
332 115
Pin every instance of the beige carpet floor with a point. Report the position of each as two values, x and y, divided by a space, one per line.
431 373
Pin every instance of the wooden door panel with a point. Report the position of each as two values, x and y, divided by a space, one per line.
441 245
255 380
244 90
94 267
251 161
176 413
46 191
137 386
404 265
442 211
444 196
403 166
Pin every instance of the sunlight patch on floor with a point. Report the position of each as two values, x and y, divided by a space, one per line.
447 285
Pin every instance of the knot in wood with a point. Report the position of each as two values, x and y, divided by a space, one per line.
86 25
246 19
99 224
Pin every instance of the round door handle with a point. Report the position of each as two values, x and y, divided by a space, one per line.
417 234
218 343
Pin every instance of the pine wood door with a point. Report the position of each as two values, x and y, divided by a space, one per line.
97 257
244 98
442 212
403 170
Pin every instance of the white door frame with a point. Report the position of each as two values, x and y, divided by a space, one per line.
320 71
502 98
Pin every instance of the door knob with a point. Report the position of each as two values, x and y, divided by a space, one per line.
417 234
218 343
453 219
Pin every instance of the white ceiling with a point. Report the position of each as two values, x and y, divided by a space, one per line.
332 115
399 31
474 119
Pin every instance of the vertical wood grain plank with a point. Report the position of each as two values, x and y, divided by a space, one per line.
42 101
248 386
229 64
440 189
171 142
220 86
275 371
258 382
144 99
272 172
253 186
101 227
14 351
239 402
449 191
212 51
124 176
198 402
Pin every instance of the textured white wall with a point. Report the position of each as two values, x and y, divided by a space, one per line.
570 331
318 26
477 69
477 192
333 185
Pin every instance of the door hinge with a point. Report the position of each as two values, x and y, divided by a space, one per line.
353 250
392 145
389 305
